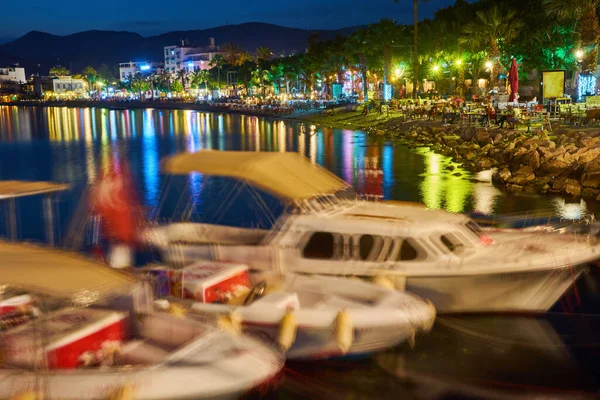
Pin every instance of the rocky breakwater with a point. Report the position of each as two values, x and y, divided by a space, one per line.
564 162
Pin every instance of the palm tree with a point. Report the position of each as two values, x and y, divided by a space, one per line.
91 76
231 53
218 61
582 14
58 70
386 32
263 54
204 77
182 75
165 78
415 46
495 28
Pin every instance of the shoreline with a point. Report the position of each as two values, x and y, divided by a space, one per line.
563 162
141 105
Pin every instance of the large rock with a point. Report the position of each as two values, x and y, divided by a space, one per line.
588 142
589 192
567 185
555 166
502 175
522 176
483 137
591 180
468 134
586 155
529 158
484 164
573 188
470 156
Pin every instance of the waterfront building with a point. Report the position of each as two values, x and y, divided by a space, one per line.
60 86
130 69
13 74
189 57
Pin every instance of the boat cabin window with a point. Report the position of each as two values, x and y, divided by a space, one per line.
407 252
474 229
369 247
452 243
321 245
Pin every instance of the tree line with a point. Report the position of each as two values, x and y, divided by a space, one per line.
462 41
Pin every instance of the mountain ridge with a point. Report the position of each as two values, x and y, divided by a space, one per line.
38 51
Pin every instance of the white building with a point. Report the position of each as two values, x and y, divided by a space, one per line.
190 58
13 74
60 85
129 69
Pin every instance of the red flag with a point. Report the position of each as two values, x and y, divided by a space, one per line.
113 199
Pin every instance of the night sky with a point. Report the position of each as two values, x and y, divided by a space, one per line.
150 17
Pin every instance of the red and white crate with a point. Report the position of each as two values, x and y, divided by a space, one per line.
16 304
70 336
208 281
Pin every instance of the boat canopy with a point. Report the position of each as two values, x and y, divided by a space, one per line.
288 175
12 189
58 273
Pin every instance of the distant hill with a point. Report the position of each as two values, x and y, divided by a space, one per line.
39 51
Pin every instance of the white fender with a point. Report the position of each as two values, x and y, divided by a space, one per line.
123 393
288 327
177 311
384 281
400 283
231 322
344 331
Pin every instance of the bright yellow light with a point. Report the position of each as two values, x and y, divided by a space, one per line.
458 62
489 65
579 54
100 84
436 68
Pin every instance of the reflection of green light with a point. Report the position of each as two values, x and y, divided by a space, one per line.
432 186
440 184
458 190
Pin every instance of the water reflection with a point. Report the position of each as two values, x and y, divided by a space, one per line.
496 357
76 138
445 184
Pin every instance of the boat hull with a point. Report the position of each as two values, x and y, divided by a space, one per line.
195 378
529 292
314 343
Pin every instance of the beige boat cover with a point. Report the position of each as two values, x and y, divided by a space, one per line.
287 175
12 189
58 273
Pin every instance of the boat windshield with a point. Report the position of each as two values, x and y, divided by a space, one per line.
479 233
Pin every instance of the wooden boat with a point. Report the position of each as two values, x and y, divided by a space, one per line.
440 256
95 332
310 317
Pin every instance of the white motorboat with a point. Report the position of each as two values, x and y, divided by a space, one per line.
440 256
310 317
95 332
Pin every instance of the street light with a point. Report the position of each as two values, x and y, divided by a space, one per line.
489 64
579 54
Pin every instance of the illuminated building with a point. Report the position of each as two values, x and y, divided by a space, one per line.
190 58
13 75
60 86
129 69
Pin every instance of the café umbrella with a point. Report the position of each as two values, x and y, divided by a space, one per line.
513 81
